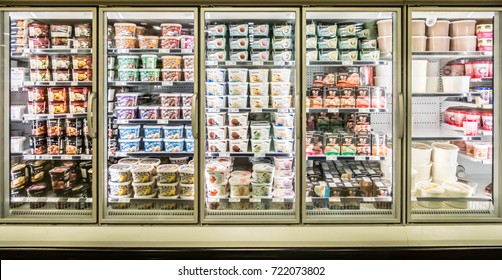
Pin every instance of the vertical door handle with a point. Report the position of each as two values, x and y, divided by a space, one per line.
298 105
195 116
401 116
90 116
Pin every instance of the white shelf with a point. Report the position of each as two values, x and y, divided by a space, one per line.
473 159
440 133
450 55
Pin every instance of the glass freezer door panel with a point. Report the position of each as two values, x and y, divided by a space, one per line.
150 67
49 97
453 102
250 91
350 92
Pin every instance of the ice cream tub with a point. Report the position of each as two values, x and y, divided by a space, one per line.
444 172
238 29
349 30
260 131
237 119
217 190
281 101
260 146
444 153
284 119
237 75
119 189
186 99
173 132
261 190
39 62
171 29
125 113
283 146
284 179
167 173
170 113
239 43
216 75
187 42
216 101
312 54
149 75
172 75
152 131
327 30
215 173
259 102
369 55
217 146
148 42
281 75
258 55
260 30
216 43
171 62
216 55
283 163
169 42
125 42
130 75
311 42
464 43
188 132
420 153
263 173
239 187
238 89
258 75
129 99
261 44
348 43
282 55
280 88
462 28
216 119
216 132
282 30
148 112
189 145
125 29
330 55
238 102
129 131
327 43
149 61
237 132
429 189
217 30
239 56
216 89
258 89
283 132
238 146
152 145
143 189
188 61
168 190
281 43
170 99
129 145
62 75
173 145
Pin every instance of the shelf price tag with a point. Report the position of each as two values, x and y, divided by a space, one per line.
256 110
374 158
359 158
233 110
230 63
125 199
213 110
368 199
31 199
52 199
167 83
164 50
52 83
26 50
213 199
66 157
123 51
332 110
255 200
259 155
224 154
89 200
308 199
364 110
186 50
334 199
120 83
73 83
29 83
73 200
233 199
279 63
74 51
331 157
347 62
17 199
211 63
163 121
122 121
257 63
277 199
283 110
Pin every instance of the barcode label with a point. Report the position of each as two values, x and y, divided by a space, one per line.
73 50
66 157
167 83
331 158
279 63
122 121
360 158
282 110
123 51
259 155
52 83
364 110
374 158
347 62
211 63
213 110
233 110
164 50
277 199
234 199
163 121
332 110
256 110
89 200
17 199
120 83
224 154
257 63
229 63
186 50
368 199
74 83
254 199
213 199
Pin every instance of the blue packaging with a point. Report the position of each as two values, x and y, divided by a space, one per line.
129 145
152 145
152 131
173 132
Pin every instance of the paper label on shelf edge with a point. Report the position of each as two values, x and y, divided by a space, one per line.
334 199
163 121
277 199
52 83
211 63
233 199
430 21
74 83
259 155
28 83
364 110
331 157
31 199
124 199
213 110
279 63
73 200
120 83
186 50
332 110
308 199
27 50
230 63
122 121
89 200
224 154
53 199
257 63
66 157
255 199
167 83
347 62
164 50
123 51
282 110
74 51
232 110
213 199
374 158
256 110
359 158
17 199
368 199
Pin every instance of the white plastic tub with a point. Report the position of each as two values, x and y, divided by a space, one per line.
420 153
456 84
432 84
418 84
17 144
444 153
444 172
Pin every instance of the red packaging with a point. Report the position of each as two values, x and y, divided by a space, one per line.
37 94
55 145
378 99
362 97
58 108
473 117
366 76
169 42
39 43
82 75
61 75
39 107
459 118
38 30
449 116
56 94
468 69
55 127
481 69
484 35
78 107
78 93
82 61
171 29
82 43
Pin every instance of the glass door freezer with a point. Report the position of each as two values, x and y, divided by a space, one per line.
49 128
250 115
454 83
148 115
352 109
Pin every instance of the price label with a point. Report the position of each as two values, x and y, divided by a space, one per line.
26 50
125 199
254 199
164 50
347 62
73 200
308 199
233 110
224 154
364 110
368 199
230 63
360 158
17 199
256 110
374 158
89 200
259 155
332 110
257 63
334 199
122 121
213 199
186 50
213 110
283 110
52 199
277 199
211 63
279 63
73 50
50 116
120 83
31 199
66 157
52 83
74 83
29 83
233 199
331 158
123 51
167 83
163 121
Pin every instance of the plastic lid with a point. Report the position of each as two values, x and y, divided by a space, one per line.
124 23
130 94
129 140
129 126
147 36
117 37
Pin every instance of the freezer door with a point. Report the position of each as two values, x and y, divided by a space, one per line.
49 162
148 115
352 133
250 117
453 144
